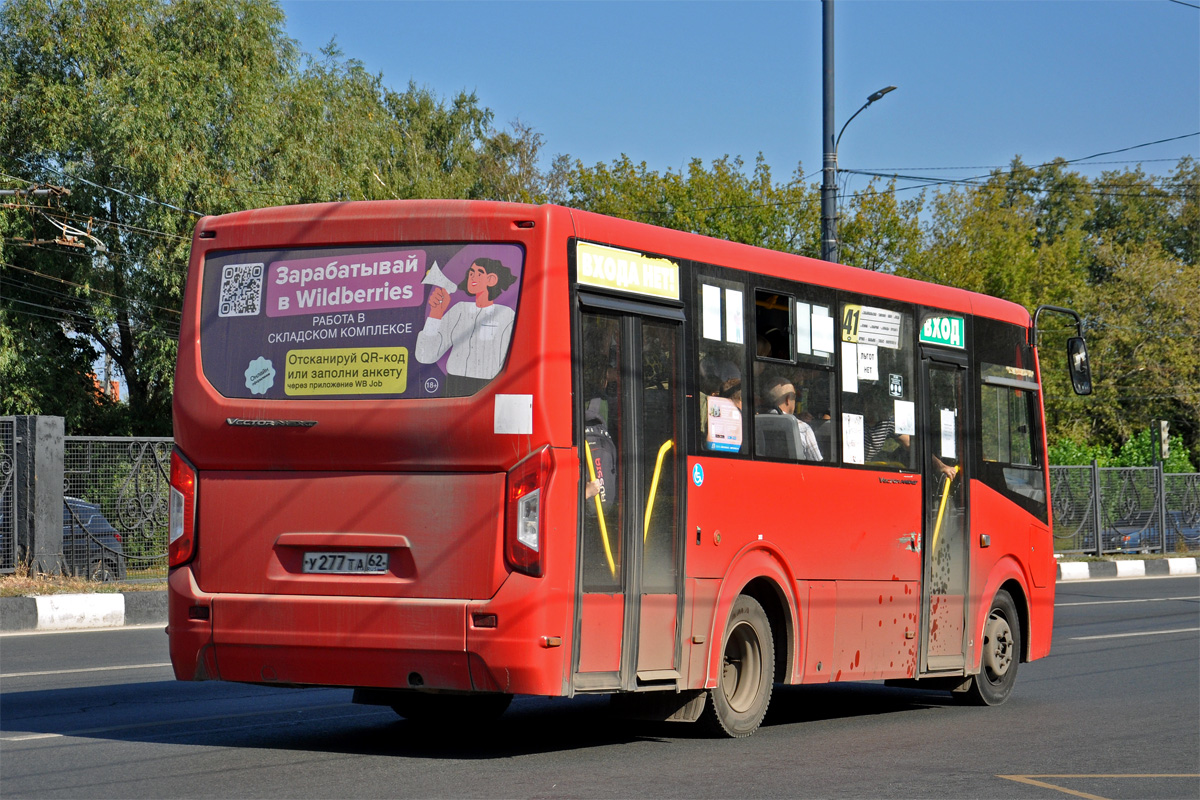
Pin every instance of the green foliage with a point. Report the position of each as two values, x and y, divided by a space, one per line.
720 200
1141 450
1069 453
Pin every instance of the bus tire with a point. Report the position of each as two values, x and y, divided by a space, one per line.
739 702
450 709
1000 655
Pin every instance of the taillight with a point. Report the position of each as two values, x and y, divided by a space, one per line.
181 511
524 541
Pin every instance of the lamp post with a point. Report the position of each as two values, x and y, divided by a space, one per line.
829 240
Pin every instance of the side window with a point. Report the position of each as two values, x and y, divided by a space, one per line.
1010 435
878 414
721 350
1007 414
793 377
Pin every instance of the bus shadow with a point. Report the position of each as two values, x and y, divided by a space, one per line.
323 720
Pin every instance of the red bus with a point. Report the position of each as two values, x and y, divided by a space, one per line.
448 452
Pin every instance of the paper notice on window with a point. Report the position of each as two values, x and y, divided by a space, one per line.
803 329
724 425
849 367
868 362
947 433
734 329
822 331
906 418
852 438
710 300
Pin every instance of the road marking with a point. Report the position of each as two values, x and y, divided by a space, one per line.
1119 602
160 625
1137 633
77 671
1031 780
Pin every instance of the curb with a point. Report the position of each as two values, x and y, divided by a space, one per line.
62 612
1130 568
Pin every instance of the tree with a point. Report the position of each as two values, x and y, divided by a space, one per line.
720 200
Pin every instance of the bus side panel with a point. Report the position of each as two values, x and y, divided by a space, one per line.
819 515
871 639
1013 553
819 627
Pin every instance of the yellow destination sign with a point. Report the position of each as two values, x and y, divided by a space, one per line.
626 271
346 370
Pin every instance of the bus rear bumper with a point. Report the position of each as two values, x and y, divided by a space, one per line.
306 640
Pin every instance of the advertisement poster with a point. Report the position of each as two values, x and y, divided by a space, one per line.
386 321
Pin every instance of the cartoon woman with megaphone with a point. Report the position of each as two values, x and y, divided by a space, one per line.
476 333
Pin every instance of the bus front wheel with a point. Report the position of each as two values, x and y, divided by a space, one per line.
743 691
1001 654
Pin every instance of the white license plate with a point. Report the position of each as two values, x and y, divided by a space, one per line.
345 563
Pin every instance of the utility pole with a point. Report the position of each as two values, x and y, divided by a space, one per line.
829 245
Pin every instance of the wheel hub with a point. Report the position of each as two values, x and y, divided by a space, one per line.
997 645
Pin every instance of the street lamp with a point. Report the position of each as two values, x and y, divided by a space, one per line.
829 241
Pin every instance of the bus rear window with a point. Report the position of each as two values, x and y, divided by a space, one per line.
386 321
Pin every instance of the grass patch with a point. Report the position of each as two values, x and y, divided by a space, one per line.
22 584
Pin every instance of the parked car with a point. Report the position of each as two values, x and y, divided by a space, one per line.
92 547
1139 533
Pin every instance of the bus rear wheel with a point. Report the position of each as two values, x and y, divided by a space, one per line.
1000 656
743 691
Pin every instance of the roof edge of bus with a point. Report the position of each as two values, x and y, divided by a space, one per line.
724 252
595 226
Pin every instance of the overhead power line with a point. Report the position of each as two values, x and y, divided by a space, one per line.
111 188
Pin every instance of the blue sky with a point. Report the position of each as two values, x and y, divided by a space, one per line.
664 82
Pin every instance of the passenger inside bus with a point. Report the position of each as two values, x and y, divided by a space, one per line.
792 439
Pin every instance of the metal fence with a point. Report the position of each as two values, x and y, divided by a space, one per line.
8 492
1102 510
126 481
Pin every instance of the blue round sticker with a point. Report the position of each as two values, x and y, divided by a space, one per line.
698 475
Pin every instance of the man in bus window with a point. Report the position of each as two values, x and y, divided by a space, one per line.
781 399
476 333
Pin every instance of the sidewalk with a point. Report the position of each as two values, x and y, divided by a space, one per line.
79 611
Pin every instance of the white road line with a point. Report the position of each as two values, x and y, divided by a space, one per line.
1138 633
1119 602
39 632
7 675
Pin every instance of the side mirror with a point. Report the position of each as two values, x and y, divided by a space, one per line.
1078 365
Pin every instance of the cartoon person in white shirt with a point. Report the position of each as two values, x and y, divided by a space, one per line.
476 333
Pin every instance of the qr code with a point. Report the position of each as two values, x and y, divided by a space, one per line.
241 290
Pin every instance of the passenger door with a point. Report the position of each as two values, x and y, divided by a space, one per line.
630 545
946 546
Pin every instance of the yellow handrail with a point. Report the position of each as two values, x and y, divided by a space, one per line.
937 528
662 451
612 566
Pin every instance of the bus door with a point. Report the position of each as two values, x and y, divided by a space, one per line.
630 398
945 581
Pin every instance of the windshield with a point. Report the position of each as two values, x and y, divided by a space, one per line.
388 321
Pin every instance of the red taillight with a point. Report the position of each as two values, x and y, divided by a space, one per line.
182 511
524 541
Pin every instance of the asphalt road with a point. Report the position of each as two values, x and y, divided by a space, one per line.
1113 713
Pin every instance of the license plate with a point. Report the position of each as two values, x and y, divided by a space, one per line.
345 563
